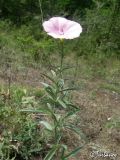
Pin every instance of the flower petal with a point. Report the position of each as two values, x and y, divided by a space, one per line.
56 35
59 21
48 26
73 31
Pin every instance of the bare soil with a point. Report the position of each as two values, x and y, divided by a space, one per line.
96 111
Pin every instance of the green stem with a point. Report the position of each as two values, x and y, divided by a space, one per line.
40 5
62 56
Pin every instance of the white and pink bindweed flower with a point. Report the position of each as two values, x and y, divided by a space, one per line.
62 28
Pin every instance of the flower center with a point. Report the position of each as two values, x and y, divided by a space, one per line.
61 32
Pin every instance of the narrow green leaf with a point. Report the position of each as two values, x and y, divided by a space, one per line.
73 106
62 103
68 89
51 153
52 112
36 111
64 148
71 113
45 84
73 153
48 77
53 73
47 125
50 90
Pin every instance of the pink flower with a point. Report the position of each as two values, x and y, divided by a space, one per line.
62 28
